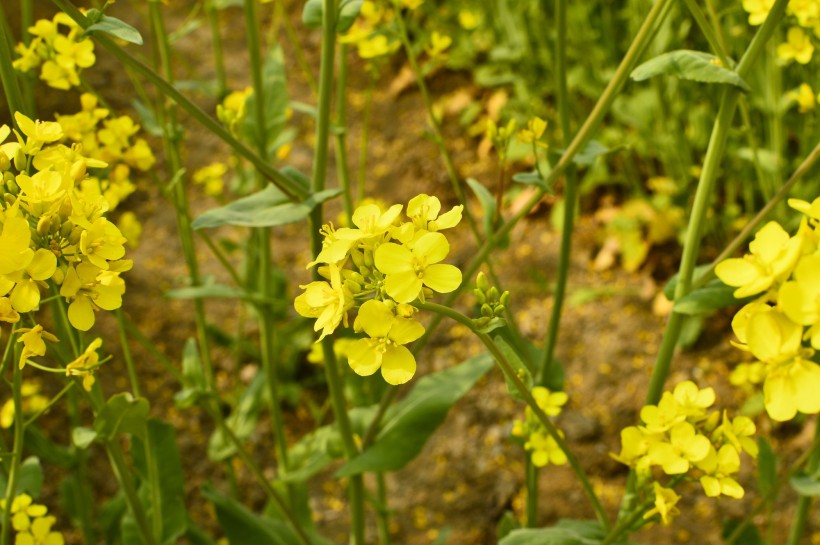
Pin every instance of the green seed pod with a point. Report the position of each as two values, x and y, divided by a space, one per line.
486 310
481 282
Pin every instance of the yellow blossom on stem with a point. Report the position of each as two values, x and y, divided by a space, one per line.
798 47
772 258
7 312
85 365
800 298
423 210
33 342
409 269
719 468
665 504
327 302
804 97
545 449
385 348
439 43
31 524
758 10
685 447
90 288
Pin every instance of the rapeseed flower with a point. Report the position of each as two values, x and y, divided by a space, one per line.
85 365
665 504
33 339
327 302
31 523
798 47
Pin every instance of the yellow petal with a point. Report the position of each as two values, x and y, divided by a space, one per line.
433 246
43 265
405 330
398 365
81 313
26 296
391 258
404 287
363 358
442 278
375 318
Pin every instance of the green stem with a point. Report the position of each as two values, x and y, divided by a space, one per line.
334 380
703 196
216 42
124 476
126 354
342 168
17 449
531 475
752 225
292 188
801 515
524 392
364 139
545 369
8 77
383 514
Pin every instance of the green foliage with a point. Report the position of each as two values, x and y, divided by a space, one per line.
409 423
689 65
806 485
565 532
766 467
348 12
112 26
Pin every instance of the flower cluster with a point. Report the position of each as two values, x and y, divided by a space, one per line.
32 523
58 49
367 32
52 231
545 449
680 436
234 109
381 266
781 326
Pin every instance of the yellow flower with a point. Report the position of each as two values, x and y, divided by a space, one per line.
798 47
33 344
7 312
665 504
90 288
758 10
550 402
15 254
327 302
800 298
439 43
423 210
25 296
738 432
211 177
533 133
468 19
804 97
411 4
30 522
85 365
719 468
792 387
685 447
409 269
102 242
376 46
131 228
545 449
370 224
773 256
33 402
384 349
37 133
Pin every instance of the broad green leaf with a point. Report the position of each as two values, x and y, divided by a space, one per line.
748 536
690 330
220 291
348 11
410 422
242 420
117 28
193 376
507 524
241 526
587 156
766 466
806 485
518 364
689 65
29 480
488 205
532 178
165 455
121 414
262 210
565 532
713 296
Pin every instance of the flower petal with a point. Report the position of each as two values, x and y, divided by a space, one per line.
363 357
404 287
391 258
442 278
398 365
433 246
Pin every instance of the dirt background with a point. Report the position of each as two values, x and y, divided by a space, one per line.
470 472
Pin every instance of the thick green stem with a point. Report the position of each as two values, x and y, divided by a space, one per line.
124 476
510 372
216 43
17 448
703 197
383 514
334 380
292 188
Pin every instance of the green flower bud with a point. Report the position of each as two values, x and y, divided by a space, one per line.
486 310
74 237
44 225
481 282
11 183
498 310
492 294
505 298
66 228
480 297
5 162
20 160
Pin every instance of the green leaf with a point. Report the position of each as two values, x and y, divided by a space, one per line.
518 364
263 209
587 156
690 330
507 524
242 526
766 466
29 480
713 296
165 455
532 178
565 532
672 284
193 376
220 291
749 535
689 65
348 11
83 437
242 420
806 485
410 422
488 205
122 414
275 94
117 28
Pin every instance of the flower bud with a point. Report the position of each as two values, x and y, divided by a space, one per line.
481 282
505 298
353 286
78 170
66 209
492 294
20 160
368 258
65 228
5 162
498 310
58 276
44 225
11 183
480 297
357 257
76 233
486 310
